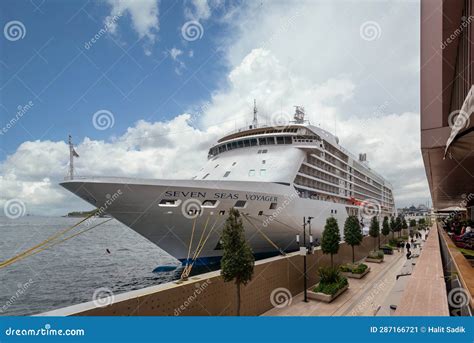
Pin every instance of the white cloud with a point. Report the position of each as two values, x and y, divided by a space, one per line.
143 15
314 61
201 9
174 52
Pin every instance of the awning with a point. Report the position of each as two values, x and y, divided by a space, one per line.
461 140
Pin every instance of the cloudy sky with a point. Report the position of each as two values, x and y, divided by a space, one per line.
145 86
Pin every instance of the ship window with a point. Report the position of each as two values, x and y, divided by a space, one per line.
251 172
263 161
205 176
246 143
253 142
273 206
287 140
222 212
216 166
263 172
264 151
226 173
280 140
240 144
240 204
260 213
233 164
262 141
270 140
259 152
169 203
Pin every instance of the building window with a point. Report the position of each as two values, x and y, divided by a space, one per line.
252 172
226 173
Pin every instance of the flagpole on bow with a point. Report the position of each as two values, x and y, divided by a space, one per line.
72 154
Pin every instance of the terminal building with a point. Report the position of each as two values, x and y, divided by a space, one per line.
447 128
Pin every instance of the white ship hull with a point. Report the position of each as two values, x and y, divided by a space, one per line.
136 203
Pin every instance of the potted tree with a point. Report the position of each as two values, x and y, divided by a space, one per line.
387 248
353 236
374 231
330 238
331 282
237 261
393 226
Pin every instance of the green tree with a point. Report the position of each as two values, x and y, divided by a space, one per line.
352 233
237 261
374 230
393 226
385 227
330 238
398 225
412 222
404 224
422 223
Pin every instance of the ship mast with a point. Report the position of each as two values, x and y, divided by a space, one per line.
255 121
72 154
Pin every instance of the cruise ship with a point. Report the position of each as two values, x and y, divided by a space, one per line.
274 175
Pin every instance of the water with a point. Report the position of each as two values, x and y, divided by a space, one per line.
70 272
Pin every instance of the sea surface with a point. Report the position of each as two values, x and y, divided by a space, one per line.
109 256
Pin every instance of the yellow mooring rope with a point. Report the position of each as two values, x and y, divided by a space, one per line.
49 242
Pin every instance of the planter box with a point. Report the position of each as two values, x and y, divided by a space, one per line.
354 275
327 298
373 260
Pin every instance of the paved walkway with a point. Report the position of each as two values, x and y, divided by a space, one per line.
365 297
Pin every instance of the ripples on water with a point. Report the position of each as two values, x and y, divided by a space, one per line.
70 272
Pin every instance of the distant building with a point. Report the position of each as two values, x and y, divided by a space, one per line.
412 212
